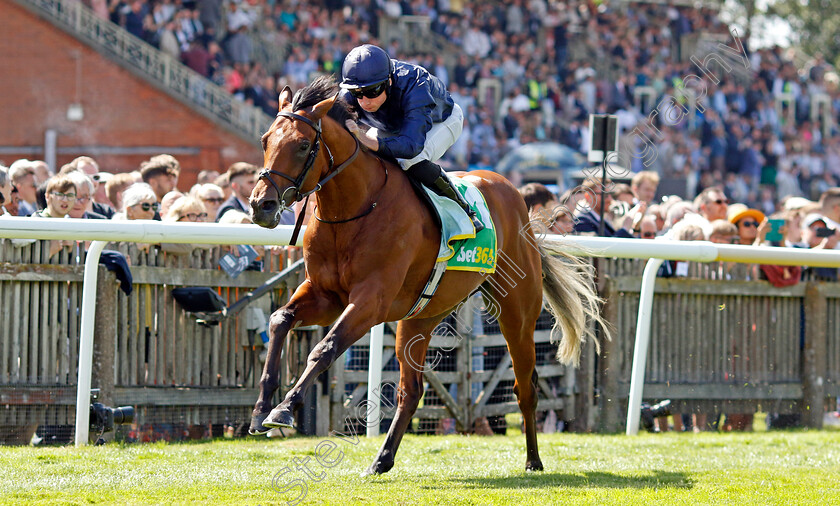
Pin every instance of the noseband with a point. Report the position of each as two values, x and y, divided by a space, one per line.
297 182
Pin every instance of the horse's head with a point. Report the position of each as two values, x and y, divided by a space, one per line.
292 165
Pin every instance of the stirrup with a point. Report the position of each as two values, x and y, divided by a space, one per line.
475 221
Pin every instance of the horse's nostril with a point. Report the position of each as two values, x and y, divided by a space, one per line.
268 206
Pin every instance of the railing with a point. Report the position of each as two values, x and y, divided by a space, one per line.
156 67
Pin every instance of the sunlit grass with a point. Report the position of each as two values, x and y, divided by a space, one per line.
798 467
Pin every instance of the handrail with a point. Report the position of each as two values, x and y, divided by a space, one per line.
156 67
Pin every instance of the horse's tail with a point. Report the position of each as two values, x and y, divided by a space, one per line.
572 299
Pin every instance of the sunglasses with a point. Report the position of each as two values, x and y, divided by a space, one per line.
372 91
749 224
215 200
63 196
146 206
648 235
721 201
193 216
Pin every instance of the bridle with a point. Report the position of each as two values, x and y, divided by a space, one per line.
297 182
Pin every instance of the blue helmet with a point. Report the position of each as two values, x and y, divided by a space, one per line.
364 66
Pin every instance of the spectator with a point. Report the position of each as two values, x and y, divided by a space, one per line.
42 170
234 217
167 201
223 182
817 234
161 173
100 197
139 203
243 178
644 185
115 187
211 196
197 58
655 210
5 192
712 204
185 209
83 205
11 206
88 166
747 221
647 227
589 221
830 207
622 193
60 196
207 176
723 232
23 178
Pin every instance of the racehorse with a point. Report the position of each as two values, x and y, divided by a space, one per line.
369 252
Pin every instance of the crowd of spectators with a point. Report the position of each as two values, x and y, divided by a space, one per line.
554 63
80 190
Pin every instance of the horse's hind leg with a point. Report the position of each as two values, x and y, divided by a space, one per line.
412 340
520 308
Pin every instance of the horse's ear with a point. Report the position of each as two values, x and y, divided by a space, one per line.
285 97
320 109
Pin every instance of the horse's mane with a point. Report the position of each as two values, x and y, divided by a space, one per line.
320 89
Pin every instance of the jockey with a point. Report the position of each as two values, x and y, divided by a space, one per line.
413 110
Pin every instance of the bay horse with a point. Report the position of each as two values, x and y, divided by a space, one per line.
369 252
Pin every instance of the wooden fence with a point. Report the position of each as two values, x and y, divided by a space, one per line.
148 352
717 344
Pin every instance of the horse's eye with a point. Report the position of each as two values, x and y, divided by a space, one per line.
304 146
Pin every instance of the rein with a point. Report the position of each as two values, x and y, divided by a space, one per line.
298 182
362 215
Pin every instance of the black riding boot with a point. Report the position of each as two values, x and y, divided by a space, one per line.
431 175
444 186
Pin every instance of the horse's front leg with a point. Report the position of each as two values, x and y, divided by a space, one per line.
306 307
353 323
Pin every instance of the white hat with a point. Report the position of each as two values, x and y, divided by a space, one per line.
795 203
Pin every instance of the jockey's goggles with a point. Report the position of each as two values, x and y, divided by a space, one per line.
372 91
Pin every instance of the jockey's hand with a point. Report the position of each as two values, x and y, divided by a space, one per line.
372 143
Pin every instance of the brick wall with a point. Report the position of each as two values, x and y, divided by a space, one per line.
38 83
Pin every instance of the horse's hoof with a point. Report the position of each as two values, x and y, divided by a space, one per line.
378 467
257 428
279 417
535 465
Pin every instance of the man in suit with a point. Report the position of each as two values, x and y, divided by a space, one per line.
243 178
589 222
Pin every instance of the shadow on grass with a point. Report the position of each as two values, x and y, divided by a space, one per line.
654 479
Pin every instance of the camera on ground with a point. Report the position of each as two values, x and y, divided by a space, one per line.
104 418
651 413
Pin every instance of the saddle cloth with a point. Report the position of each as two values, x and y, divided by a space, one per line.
461 249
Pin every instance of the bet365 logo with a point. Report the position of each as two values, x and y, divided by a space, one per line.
475 256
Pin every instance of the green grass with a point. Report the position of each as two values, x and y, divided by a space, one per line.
800 467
